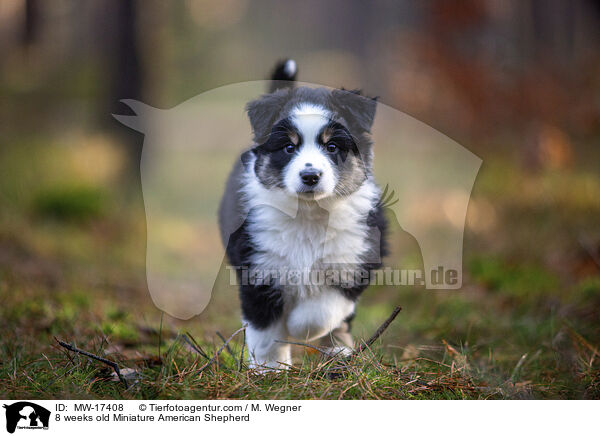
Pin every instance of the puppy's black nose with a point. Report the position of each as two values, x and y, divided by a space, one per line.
310 176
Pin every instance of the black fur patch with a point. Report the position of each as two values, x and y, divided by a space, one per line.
271 157
261 305
377 220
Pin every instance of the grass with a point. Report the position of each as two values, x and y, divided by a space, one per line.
178 373
72 245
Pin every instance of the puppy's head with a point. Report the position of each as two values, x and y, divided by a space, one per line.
312 143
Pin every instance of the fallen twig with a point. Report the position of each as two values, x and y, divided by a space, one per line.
242 352
378 332
110 363
189 339
212 360
227 347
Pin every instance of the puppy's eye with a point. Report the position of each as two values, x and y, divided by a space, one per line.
331 147
290 148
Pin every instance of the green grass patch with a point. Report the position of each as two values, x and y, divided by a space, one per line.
70 203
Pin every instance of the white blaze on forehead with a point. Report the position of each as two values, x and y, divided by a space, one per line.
308 109
310 119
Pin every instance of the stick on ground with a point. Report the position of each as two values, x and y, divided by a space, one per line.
110 363
189 339
212 360
242 352
379 331
229 350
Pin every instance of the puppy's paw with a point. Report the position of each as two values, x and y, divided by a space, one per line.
267 367
338 351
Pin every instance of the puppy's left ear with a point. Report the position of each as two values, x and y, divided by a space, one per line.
358 110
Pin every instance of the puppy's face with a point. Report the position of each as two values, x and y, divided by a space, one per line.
311 153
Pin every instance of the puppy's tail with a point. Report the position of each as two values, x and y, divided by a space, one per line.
283 75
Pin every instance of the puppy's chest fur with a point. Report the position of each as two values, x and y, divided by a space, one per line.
316 240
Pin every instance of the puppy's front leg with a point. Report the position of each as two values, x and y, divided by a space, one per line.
263 348
262 309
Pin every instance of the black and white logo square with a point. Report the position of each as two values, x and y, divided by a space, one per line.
26 415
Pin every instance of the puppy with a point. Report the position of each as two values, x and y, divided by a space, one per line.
301 217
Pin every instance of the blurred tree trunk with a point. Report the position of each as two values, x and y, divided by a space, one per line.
30 22
126 75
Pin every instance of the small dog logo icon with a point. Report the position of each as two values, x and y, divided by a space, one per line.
26 415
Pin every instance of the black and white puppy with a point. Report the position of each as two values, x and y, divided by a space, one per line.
301 216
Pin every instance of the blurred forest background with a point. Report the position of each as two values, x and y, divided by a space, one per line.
516 82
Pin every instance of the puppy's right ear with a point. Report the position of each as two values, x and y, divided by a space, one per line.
263 113
358 110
